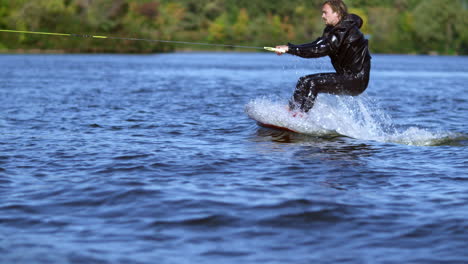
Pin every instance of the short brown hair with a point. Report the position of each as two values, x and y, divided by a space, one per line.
338 6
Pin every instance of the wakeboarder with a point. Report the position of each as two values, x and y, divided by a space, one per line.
348 50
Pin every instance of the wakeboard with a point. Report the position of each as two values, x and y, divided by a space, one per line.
275 116
275 127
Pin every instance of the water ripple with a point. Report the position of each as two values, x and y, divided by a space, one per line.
151 158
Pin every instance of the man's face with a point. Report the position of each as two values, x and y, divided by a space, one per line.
330 17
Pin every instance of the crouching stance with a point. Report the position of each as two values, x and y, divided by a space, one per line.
348 49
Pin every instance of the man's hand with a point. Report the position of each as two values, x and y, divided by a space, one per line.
282 49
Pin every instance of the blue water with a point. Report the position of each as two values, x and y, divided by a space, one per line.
153 159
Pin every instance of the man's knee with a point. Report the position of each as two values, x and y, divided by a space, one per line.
307 83
302 82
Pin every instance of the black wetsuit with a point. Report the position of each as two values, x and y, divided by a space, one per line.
349 53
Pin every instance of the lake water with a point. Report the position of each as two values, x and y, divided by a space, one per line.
153 159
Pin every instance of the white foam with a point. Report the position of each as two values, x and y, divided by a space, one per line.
356 117
276 113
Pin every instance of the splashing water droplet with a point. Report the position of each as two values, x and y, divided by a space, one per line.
356 117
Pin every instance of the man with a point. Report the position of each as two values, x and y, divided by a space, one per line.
344 43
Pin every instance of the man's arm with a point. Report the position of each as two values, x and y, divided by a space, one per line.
328 43
316 49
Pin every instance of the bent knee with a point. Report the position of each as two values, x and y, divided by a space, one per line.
302 82
358 90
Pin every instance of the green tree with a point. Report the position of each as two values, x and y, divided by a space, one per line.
140 22
218 31
441 25
406 5
406 33
462 32
4 11
240 29
102 15
168 20
40 15
272 32
383 24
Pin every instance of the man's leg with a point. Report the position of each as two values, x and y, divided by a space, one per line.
308 87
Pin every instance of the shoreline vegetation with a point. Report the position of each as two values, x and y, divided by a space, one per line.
431 27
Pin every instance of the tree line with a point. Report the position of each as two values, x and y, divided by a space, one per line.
393 26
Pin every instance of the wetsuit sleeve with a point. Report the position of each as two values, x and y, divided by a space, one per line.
316 49
323 46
